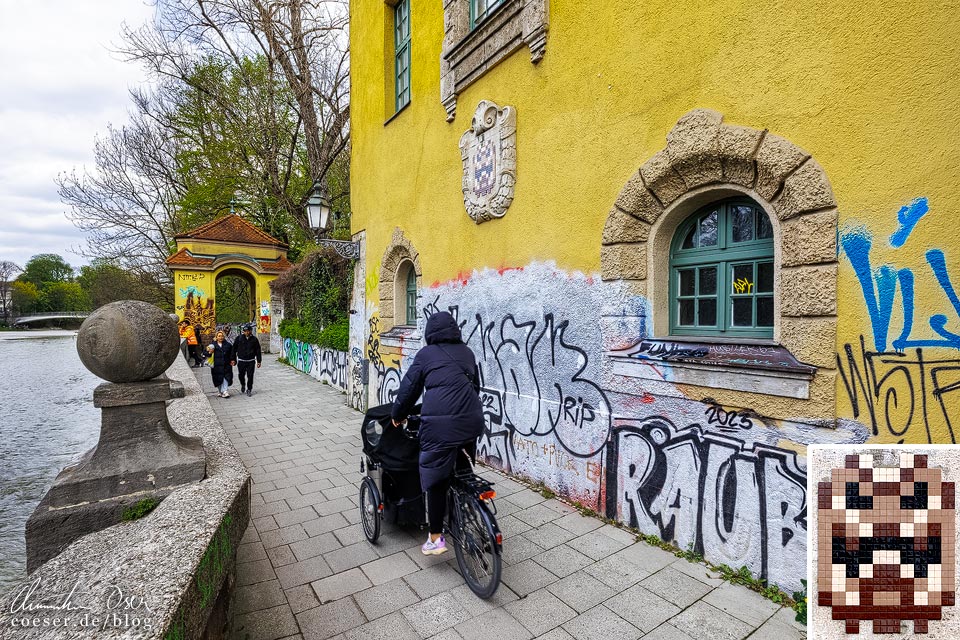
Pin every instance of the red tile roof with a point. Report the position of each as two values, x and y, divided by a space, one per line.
185 259
279 266
231 228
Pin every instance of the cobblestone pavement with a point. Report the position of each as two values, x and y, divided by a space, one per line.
305 570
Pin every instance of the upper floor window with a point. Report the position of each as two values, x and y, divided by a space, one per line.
401 34
721 272
411 297
480 9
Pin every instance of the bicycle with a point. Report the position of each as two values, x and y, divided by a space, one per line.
470 525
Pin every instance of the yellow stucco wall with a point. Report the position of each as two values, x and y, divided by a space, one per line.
868 93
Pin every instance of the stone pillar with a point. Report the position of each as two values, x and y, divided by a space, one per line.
138 456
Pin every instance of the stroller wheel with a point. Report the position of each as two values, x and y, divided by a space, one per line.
370 509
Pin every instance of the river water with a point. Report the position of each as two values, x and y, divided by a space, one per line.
46 421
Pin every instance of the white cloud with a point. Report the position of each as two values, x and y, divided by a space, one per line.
60 86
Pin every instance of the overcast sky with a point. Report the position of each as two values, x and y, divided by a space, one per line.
60 86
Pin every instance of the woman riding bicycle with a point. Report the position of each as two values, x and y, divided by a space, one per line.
451 419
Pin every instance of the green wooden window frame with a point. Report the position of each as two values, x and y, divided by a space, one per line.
721 272
401 34
480 9
411 297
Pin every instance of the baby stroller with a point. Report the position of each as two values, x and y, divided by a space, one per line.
391 482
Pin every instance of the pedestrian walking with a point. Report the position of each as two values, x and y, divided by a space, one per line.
222 368
246 353
189 334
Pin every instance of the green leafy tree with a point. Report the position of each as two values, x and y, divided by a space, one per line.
64 296
234 300
105 282
25 297
46 267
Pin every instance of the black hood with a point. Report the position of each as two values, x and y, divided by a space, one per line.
441 327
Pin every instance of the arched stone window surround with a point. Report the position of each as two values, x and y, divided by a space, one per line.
706 160
399 257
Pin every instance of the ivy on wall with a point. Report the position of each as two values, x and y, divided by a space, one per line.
316 299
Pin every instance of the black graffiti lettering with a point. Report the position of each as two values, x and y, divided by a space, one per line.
666 350
709 491
727 420
897 394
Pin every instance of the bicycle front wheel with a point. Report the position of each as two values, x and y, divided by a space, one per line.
478 554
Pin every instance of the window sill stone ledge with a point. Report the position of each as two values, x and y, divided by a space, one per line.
768 369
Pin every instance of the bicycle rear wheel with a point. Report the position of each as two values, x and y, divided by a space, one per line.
370 509
478 554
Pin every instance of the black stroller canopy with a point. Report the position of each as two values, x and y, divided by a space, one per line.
388 445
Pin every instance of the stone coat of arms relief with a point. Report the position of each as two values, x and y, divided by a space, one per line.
489 154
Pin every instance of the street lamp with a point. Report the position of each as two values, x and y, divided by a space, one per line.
318 215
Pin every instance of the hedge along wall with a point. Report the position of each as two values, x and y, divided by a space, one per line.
326 365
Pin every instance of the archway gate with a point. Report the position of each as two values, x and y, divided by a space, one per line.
226 246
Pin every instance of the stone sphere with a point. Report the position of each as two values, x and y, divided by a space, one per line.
128 341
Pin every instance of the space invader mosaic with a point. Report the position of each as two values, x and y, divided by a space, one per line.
886 548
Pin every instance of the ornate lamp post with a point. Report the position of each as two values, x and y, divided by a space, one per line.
318 214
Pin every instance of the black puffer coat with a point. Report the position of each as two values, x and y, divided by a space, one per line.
445 371
222 354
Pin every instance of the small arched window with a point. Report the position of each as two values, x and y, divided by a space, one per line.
411 296
721 272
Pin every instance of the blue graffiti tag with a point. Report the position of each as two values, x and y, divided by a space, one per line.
879 286
908 217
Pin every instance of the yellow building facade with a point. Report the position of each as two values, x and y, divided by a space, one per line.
227 246
541 183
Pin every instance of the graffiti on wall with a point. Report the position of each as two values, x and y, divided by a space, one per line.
907 386
554 414
198 313
326 365
742 505
879 287
385 362
263 322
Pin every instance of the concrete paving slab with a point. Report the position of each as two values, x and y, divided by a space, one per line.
391 627
340 585
435 614
386 598
702 620
641 608
305 539
496 623
601 623
328 620
742 604
389 568
540 611
581 591
676 587
527 577
266 624
562 560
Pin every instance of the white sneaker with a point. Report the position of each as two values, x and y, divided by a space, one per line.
225 395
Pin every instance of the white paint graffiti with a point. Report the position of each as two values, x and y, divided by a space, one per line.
683 468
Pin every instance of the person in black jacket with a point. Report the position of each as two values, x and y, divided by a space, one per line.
246 351
451 418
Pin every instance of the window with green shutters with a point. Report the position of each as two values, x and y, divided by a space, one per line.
480 9
401 29
721 272
411 297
